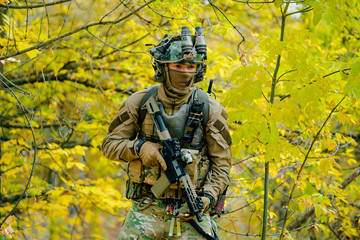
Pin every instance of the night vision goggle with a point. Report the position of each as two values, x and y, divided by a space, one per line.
183 49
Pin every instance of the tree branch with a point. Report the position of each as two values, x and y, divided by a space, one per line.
304 217
18 126
272 97
9 169
84 27
69 76
15 198
303 164
350 179
35 5
300 220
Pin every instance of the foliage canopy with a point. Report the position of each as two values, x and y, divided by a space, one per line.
287 72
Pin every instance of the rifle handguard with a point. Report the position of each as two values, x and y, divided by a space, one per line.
176 168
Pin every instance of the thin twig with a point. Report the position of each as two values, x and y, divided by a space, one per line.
307 9
217 8
293 70
65 20
122 47
246 205
258 235
303 164
172 18
34 148
14 85
247 2
27 18
113 47
107 14
47 17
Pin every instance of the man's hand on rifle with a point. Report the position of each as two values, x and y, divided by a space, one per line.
150 155
186 216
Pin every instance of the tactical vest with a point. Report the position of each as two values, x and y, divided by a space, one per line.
188 125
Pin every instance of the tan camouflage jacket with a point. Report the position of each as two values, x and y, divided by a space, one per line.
121 140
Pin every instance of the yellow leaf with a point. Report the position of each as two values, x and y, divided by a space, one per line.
4 2
23 46
302 206
79 150
318 185
80 166
317 150
318 211
351 161
8 231
10 219
272 214
65 200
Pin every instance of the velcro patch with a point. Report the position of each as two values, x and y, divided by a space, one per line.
116 122
218 125
226 135
223 131
224 114
124 116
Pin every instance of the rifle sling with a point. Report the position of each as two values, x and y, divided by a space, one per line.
202 232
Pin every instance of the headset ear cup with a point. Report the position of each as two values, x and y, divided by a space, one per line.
201 73
159 71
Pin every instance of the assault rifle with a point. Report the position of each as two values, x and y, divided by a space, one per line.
175 163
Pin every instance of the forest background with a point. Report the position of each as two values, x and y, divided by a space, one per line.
286 71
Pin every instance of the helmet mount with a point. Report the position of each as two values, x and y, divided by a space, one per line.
182 49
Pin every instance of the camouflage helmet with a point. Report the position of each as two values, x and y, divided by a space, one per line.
182 49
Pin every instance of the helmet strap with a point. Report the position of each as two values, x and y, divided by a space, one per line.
190 80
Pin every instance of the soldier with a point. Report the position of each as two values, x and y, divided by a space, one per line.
193 117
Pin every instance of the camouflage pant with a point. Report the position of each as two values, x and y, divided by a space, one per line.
154 223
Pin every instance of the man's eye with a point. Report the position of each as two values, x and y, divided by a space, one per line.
177 66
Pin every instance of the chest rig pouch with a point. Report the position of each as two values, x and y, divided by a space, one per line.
185 125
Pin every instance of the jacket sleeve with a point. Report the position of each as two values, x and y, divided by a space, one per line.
219 150
120 142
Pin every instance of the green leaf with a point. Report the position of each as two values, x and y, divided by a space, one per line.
318 211
274 133
264 132
318 12
278 3
353 87
355 68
